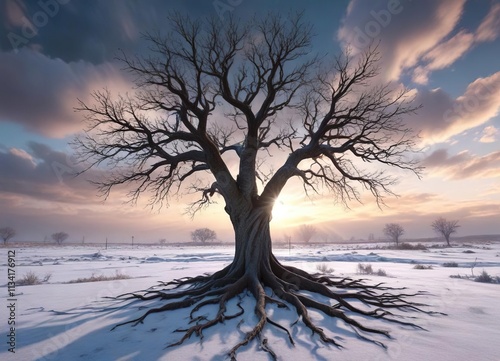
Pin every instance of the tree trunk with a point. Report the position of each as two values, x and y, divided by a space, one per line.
253 246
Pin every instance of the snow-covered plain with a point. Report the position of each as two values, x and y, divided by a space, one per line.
57 320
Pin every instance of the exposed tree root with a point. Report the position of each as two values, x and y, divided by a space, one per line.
282 286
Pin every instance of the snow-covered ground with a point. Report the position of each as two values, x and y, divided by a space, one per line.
58 320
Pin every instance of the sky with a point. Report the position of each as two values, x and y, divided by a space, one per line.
55 52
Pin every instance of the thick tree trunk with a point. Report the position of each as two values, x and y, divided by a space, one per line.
253 247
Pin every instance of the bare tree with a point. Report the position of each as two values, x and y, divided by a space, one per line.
7 233
60 237
445 228
203 235
394 231
214 87
305 232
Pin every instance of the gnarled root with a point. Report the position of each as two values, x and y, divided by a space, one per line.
282 286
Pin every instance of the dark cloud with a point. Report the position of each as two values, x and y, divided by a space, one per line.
70 30
65 49
40 92
45 174
429 119
90 30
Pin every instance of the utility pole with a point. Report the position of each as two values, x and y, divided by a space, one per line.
132 241
106 242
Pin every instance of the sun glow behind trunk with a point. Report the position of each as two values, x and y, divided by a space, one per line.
287 211
279 211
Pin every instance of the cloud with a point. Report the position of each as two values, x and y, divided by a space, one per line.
479 103
406 30
443 55
490 27
415 37
448 51
415 212
442 117
38 188
15 14
489 134
463 165
39 195
40 93
44 174
94 30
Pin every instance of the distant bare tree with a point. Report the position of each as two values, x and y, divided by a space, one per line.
203 235
445 228
162 241
394 231
306 232
7 233
60 237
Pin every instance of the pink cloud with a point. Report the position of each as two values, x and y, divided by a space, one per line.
15 15
490 27
463 165
21 153
406 33
448 51
443 55
415 37
479 103
442 117
489 134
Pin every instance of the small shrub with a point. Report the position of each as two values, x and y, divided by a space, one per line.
365 269
323 268
484 277
422 266
409 247
468 251
450 264
99 278
31 278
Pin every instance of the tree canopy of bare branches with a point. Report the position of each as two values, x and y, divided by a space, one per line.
445 228
60 237
7 233
305 232
203 235
394 231
212 91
